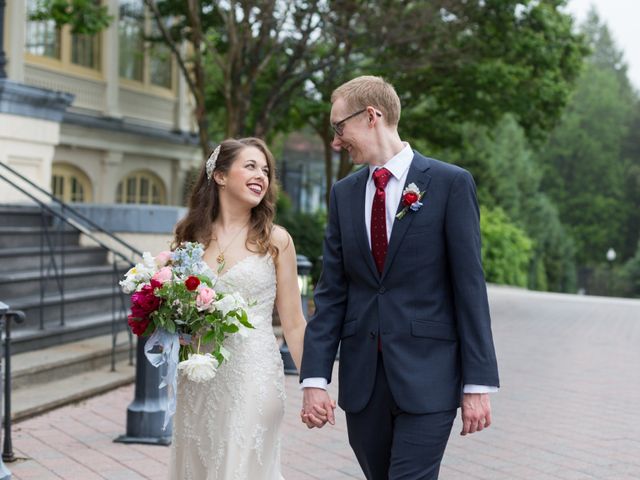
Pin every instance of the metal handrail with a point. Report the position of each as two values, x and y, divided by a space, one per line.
84 229
70 221
73 223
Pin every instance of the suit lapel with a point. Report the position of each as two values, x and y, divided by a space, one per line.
416 175
357 218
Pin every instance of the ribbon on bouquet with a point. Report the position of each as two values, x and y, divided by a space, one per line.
163 348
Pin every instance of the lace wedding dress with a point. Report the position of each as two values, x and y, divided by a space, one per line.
229 428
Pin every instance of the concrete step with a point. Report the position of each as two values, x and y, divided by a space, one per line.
23 216
63 361
75 304
25 283
28 258
12 236
29 337
39 398
54 376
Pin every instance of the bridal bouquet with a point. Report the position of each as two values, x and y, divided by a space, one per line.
174 302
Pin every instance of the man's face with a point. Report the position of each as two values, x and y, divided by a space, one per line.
355 133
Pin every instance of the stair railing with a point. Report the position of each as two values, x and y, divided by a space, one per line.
54 268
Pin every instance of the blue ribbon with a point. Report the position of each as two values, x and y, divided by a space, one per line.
163 348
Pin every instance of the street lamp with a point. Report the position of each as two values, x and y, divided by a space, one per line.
611 256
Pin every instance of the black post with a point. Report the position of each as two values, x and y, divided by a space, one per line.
3 57
304 269
5 474
145 414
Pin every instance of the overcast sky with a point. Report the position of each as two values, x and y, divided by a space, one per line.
623 19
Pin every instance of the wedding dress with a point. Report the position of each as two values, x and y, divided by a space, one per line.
229 428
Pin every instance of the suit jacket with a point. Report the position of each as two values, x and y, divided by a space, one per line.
429 304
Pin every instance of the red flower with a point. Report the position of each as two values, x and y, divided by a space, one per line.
192 283
138 325
144 302
410 198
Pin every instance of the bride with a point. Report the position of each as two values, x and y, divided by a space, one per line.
229 428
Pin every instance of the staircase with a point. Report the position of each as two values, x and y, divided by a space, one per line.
68 292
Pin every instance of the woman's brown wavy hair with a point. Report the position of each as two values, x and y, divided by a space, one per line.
204 202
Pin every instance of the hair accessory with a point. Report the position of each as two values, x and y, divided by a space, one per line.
211 162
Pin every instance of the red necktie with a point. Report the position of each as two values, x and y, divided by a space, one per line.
379 242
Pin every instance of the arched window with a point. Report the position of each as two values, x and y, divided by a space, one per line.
70 184
141 187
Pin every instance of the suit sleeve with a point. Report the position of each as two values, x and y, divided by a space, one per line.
322 334
462 230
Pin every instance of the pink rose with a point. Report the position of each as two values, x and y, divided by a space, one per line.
163 275
163 258
206 297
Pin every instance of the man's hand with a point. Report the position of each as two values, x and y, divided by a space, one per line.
476 412
317 408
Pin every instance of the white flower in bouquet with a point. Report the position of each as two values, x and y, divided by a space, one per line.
229 303
140 274
199 367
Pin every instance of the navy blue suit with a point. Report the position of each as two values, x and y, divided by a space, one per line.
429 306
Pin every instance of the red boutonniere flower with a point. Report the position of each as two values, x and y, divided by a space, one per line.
411 197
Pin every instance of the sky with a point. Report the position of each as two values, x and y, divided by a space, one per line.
623 19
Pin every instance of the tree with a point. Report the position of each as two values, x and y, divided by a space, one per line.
584 167
506 249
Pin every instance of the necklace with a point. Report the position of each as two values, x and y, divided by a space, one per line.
220 257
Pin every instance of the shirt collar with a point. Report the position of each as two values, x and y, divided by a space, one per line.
398 164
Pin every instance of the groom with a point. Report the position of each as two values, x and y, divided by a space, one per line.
403 293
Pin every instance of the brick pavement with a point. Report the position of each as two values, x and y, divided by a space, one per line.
568 409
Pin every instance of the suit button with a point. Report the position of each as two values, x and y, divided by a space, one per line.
382 290
372 334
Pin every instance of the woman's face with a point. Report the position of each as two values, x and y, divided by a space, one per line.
247 180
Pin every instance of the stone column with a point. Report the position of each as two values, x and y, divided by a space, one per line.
111 175
111 64
15 37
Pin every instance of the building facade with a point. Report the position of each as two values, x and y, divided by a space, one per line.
127 136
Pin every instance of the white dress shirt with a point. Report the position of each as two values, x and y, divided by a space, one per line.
398 165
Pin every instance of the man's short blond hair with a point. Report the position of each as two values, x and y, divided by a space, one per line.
367 90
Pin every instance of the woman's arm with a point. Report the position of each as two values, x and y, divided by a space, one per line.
288 300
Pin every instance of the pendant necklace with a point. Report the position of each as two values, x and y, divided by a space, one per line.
220 257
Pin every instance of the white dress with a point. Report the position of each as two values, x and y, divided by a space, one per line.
229 428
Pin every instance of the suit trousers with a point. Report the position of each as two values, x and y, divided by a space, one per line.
392 444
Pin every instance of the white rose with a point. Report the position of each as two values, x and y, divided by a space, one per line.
199 368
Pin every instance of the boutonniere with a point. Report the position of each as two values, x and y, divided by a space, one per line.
411 197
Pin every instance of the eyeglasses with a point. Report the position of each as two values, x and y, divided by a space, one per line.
338 127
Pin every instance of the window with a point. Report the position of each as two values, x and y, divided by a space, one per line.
45 40
70 184
142 188
149 63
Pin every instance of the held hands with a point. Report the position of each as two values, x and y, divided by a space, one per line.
476 412
317 408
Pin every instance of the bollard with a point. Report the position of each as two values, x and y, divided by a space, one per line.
145 414
304 269
5 474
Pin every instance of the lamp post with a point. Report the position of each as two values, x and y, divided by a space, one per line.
5 474
611 256
304 281
3 57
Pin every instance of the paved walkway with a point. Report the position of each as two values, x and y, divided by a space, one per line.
569 408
